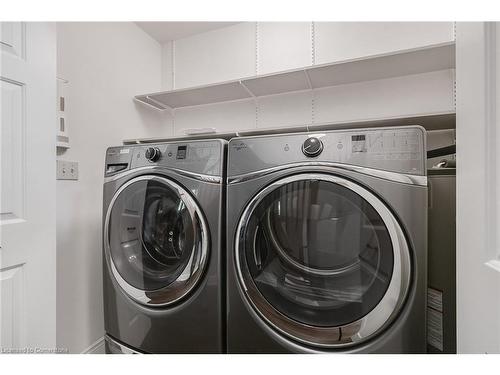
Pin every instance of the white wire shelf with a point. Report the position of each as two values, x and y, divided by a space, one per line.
400 63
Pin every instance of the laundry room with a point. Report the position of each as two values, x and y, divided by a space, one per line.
245 184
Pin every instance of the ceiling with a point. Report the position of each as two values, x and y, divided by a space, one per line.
166 31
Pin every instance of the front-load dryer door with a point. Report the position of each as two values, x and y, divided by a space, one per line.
156 240
322 260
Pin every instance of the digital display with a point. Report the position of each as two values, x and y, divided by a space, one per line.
181 152
358 143
356 138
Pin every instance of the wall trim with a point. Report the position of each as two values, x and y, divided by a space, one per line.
478 268
491 79
96 348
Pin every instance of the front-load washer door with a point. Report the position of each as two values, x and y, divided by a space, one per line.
322 260
156 240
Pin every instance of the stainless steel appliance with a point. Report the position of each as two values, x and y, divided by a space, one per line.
327 242
162 247
441 301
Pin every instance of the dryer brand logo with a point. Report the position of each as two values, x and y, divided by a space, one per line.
238 146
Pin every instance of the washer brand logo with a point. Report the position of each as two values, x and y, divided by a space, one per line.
240 146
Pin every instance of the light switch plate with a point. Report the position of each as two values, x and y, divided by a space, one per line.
67 170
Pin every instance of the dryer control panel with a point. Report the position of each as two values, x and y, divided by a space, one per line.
395 149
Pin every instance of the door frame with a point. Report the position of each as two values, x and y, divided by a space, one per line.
478 188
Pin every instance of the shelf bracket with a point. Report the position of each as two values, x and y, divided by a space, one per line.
247 90
256 102
142 102
159 104
150 102
308 79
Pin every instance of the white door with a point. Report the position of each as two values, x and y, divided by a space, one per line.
27 195
478 188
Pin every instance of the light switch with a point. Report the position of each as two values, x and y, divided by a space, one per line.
67 170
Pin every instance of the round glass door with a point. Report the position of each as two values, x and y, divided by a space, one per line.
155 240
322 259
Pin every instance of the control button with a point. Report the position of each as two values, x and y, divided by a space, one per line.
181 152
312 147
153 154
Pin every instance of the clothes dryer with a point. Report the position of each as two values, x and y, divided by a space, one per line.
327 242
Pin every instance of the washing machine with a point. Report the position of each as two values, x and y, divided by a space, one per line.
162 263
327 242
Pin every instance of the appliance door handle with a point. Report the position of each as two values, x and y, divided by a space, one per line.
256 253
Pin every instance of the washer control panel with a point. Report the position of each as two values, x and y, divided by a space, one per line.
204 157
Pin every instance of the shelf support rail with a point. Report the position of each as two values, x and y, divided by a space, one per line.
311 88
255 100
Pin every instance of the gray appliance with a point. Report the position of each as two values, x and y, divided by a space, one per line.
162 240
441 300
327 242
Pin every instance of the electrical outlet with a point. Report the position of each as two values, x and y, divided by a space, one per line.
67 170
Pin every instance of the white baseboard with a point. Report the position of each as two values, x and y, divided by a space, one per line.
96 348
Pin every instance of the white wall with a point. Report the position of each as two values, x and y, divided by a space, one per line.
336 41
253 48
106 65
250 48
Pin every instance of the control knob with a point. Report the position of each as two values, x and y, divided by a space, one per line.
153 153
312 147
